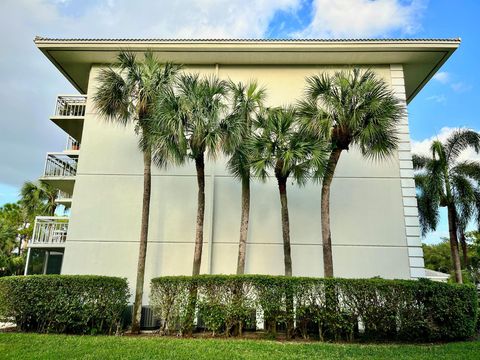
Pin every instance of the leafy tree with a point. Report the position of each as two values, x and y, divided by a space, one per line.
349 108
247 103
12 222
443 181
189 123
438 257
473 247
279 145
127 93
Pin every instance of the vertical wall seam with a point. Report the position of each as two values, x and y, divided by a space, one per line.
410 207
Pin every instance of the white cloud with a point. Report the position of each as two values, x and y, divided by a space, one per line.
437 98
29 82
446 78
442 77
363 18
461 87
422 147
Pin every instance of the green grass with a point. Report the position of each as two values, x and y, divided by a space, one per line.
35 346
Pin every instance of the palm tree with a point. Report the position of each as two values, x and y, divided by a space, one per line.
247 103
279 145
189 124
38 199
443 181
127 94
349 108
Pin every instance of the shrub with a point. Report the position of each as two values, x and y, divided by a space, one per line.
64 303
335 309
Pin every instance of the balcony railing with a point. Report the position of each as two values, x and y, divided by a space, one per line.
63 195
49 231
70 105
72 144
59 164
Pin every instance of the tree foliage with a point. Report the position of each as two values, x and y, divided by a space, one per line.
442 180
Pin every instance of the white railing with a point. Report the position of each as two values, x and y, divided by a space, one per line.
63 195
49 230
70 105
72 144
59 164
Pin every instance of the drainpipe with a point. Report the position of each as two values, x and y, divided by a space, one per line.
211 212
28 262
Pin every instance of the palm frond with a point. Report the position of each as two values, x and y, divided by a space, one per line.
280 146
459 141
428 204
469 169
420 161
353 107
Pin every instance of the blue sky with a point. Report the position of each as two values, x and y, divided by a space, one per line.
29 83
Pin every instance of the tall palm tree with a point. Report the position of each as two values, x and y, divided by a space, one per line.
280 146
127 94
38 198
247 103
443 181
349 108
189 123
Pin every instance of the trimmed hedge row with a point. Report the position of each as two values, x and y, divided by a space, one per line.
74 304
333 309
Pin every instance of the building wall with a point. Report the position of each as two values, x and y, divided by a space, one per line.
373 208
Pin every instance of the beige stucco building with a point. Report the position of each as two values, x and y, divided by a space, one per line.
375 227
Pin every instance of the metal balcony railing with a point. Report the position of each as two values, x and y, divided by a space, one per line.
70 105
72 144
49 230
59 164
63 195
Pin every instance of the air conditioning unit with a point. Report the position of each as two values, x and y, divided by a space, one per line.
147 321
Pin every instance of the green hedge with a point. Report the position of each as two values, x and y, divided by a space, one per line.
333 309
64 303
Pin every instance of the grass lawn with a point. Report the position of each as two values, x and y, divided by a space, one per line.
34 346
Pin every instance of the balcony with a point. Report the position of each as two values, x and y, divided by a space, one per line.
70 113
72 145
49 231
60 171
64 199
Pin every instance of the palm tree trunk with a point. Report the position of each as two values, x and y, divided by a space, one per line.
197 256
325 213
242 244
452 227
287 256
463 243
147 185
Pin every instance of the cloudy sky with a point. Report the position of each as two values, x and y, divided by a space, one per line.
29 83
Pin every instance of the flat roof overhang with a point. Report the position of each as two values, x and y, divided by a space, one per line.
421 58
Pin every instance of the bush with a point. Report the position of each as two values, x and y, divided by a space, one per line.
335 309
64 303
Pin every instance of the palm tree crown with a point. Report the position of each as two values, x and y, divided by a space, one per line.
353 108
247 104
38 199
128 91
